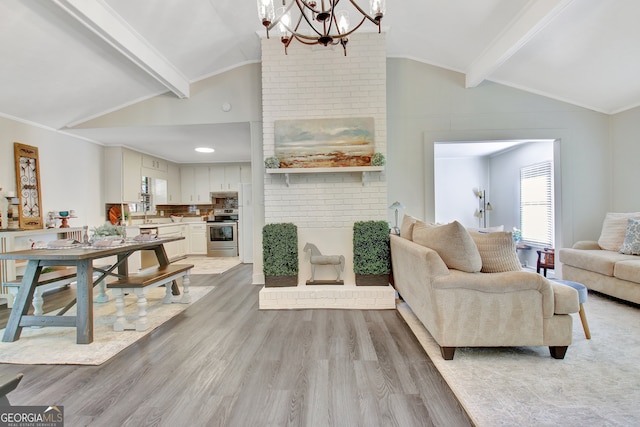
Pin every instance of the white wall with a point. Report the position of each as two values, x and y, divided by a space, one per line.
455 181
71 171
240 87
625 154
428 104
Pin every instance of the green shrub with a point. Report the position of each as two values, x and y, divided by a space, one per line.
371 254
280 249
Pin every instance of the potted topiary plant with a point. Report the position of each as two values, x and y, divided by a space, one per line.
280 254
371 254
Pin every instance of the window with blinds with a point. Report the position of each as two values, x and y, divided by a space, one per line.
536 204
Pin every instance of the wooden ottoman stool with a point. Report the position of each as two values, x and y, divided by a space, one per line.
582 298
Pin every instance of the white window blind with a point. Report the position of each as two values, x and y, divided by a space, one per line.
536 204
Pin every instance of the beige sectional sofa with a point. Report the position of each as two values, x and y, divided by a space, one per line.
468 290
601 266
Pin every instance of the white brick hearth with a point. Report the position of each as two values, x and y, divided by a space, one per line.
328 296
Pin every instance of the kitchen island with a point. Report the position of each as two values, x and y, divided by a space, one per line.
193 230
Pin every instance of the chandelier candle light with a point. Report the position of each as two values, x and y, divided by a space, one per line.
317 21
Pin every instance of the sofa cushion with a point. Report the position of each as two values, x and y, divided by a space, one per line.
598 261
452 242
628 270
497 251
631 244
614 229
406 228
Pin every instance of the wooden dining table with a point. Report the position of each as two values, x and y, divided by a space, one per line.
81 257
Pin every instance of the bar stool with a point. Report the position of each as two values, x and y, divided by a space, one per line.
582 298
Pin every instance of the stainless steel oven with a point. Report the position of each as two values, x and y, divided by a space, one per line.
222 238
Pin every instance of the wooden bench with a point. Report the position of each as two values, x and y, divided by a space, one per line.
139 285
53 280
46 281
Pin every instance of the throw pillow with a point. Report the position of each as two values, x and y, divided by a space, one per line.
631 244
406 228
452 242
614 229
498 251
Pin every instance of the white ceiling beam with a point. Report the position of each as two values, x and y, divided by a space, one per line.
536 15
113 29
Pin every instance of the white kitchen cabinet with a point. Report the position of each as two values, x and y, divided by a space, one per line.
131 178
195 184
123 178
187 183
184 247
216 178
154 163
175 250
202 185
173 184
198 238
232 177
228 177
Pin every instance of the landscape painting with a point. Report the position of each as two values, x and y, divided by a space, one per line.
324 143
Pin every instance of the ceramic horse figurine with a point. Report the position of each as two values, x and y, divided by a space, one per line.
316 258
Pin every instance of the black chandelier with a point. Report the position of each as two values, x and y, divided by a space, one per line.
316 21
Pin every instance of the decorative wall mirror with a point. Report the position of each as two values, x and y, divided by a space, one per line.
28 184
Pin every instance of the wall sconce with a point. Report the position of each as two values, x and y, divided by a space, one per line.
396 205
483 208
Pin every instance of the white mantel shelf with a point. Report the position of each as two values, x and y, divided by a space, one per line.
348 169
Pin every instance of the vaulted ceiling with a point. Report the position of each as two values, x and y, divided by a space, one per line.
67 61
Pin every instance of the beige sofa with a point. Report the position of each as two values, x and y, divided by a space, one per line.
475 309
600 265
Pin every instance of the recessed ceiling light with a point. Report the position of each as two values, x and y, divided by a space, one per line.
205 150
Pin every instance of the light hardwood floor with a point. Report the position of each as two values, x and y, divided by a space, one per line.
223 362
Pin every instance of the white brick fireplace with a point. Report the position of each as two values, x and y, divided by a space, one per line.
313 83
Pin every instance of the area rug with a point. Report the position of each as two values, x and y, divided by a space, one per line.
596 384
57 345
211 265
